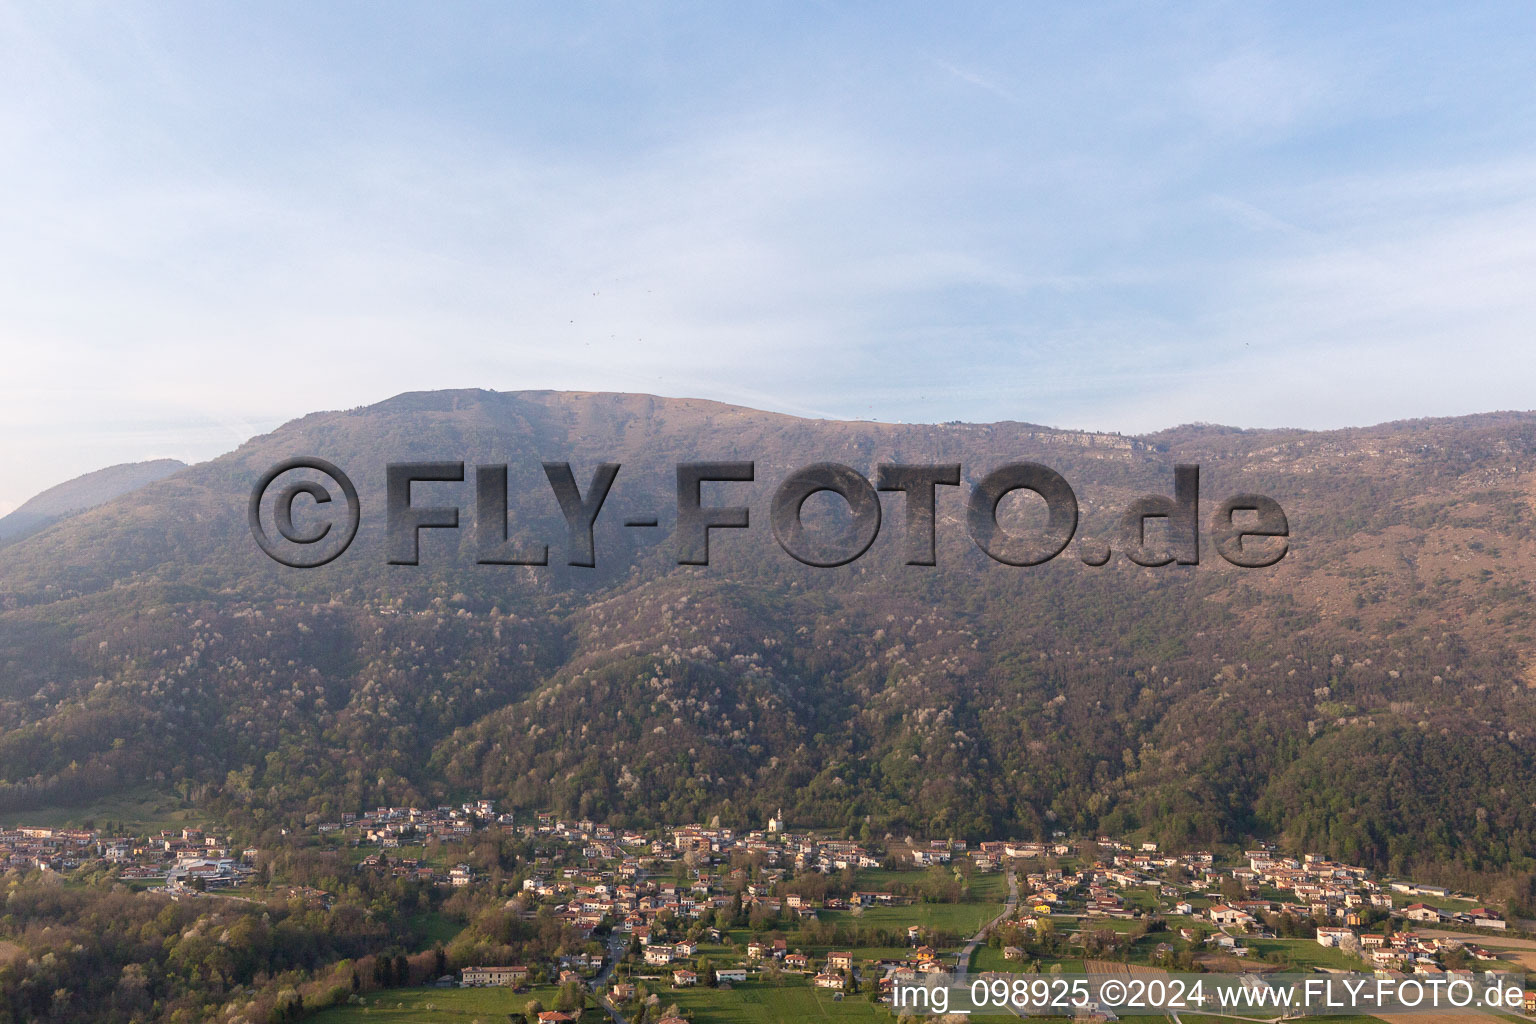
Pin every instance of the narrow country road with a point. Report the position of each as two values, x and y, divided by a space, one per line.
963 967
617 943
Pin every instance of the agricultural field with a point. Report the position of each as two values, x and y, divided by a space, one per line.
960 918
139 811
993 885
879 879
1141 898
1112 924
445 1006
762 1002
986 958
1304 953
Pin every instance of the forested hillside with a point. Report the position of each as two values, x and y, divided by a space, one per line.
1370 696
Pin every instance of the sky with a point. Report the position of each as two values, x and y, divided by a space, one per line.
217 217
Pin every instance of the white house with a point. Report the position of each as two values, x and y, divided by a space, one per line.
1333 937
1224 916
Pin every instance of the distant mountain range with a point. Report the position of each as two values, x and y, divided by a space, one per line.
81 493
1371 696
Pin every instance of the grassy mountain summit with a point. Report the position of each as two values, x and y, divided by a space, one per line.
1370 696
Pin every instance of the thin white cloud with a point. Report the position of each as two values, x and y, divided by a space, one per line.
985 83
1253 92
1169 218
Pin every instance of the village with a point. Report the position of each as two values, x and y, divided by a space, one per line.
682 918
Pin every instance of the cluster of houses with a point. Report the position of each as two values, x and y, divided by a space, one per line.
835 971
655 887
49 849
612 877
183 861
390 827
1343 900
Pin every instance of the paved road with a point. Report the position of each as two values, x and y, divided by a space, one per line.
617 942
964 966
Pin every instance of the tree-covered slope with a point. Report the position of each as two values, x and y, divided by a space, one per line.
1370 695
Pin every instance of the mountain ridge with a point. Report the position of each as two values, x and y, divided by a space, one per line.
149 641
82 493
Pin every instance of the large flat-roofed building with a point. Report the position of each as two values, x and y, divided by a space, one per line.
512 975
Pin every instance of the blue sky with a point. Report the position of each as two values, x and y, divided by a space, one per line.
215 217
